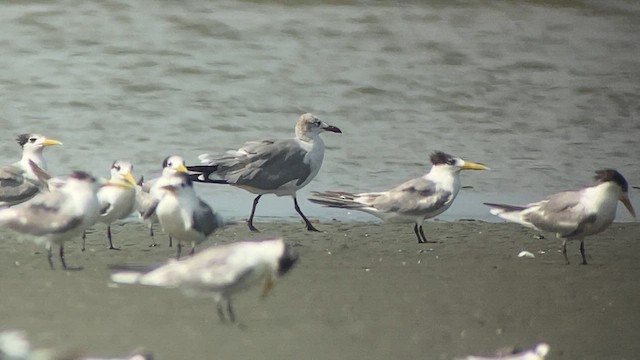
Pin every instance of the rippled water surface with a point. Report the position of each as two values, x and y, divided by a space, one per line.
544 94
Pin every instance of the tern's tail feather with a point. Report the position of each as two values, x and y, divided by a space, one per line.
508 212
337 199
129 274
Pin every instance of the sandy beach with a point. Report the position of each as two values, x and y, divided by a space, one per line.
360 291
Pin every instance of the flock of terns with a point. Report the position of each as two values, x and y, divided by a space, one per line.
52 210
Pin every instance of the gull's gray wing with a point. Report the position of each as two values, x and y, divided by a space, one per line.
415 197
267 165
42 216
14 187
561 213
205 220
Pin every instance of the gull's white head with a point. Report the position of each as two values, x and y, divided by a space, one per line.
35 142
121 174
173 164
620 183
452 163
309 125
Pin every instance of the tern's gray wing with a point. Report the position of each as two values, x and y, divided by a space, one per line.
42 216
14 187
205 220
415 197
267 165
561 213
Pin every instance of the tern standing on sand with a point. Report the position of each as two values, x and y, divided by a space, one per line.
573 215
22 180
56 216
412 201
280 167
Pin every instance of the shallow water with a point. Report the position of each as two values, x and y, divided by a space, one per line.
543 94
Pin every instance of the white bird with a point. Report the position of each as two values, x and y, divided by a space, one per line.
117 197
170 165
181 213
218 271
573 215
537 353
279 167
412 201
56 216
22 180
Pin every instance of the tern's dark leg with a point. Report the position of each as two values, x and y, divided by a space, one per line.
170 241
64 264
424 238
584 256
179 246
153 237
49 256
220 311
415 229
306 221
253 212
193 248
111 247
84 239
564 251
232 315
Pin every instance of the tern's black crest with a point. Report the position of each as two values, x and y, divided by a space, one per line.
22 139
287 260
612 175
165 162
441 158
81 175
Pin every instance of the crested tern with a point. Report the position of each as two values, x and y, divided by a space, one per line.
219 271
117 197
170 165
181 213
573 215
56 216
412 201
279 167
22 180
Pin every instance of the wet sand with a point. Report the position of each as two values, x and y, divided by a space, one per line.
360 291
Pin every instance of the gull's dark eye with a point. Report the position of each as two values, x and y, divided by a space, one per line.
32 140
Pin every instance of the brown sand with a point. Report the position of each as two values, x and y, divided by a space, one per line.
360 291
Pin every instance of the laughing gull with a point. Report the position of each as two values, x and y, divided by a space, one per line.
22 180
181 213
117 197
170 165
279 167
56 216
412 201
573 215
218 271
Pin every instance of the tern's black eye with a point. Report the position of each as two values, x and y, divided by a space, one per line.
116 167
317 122
451 162
32 140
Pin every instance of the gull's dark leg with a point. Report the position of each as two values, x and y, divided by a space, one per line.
415 229
306 221
564 250
49 256
584 257
111 247
84 239
253 212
